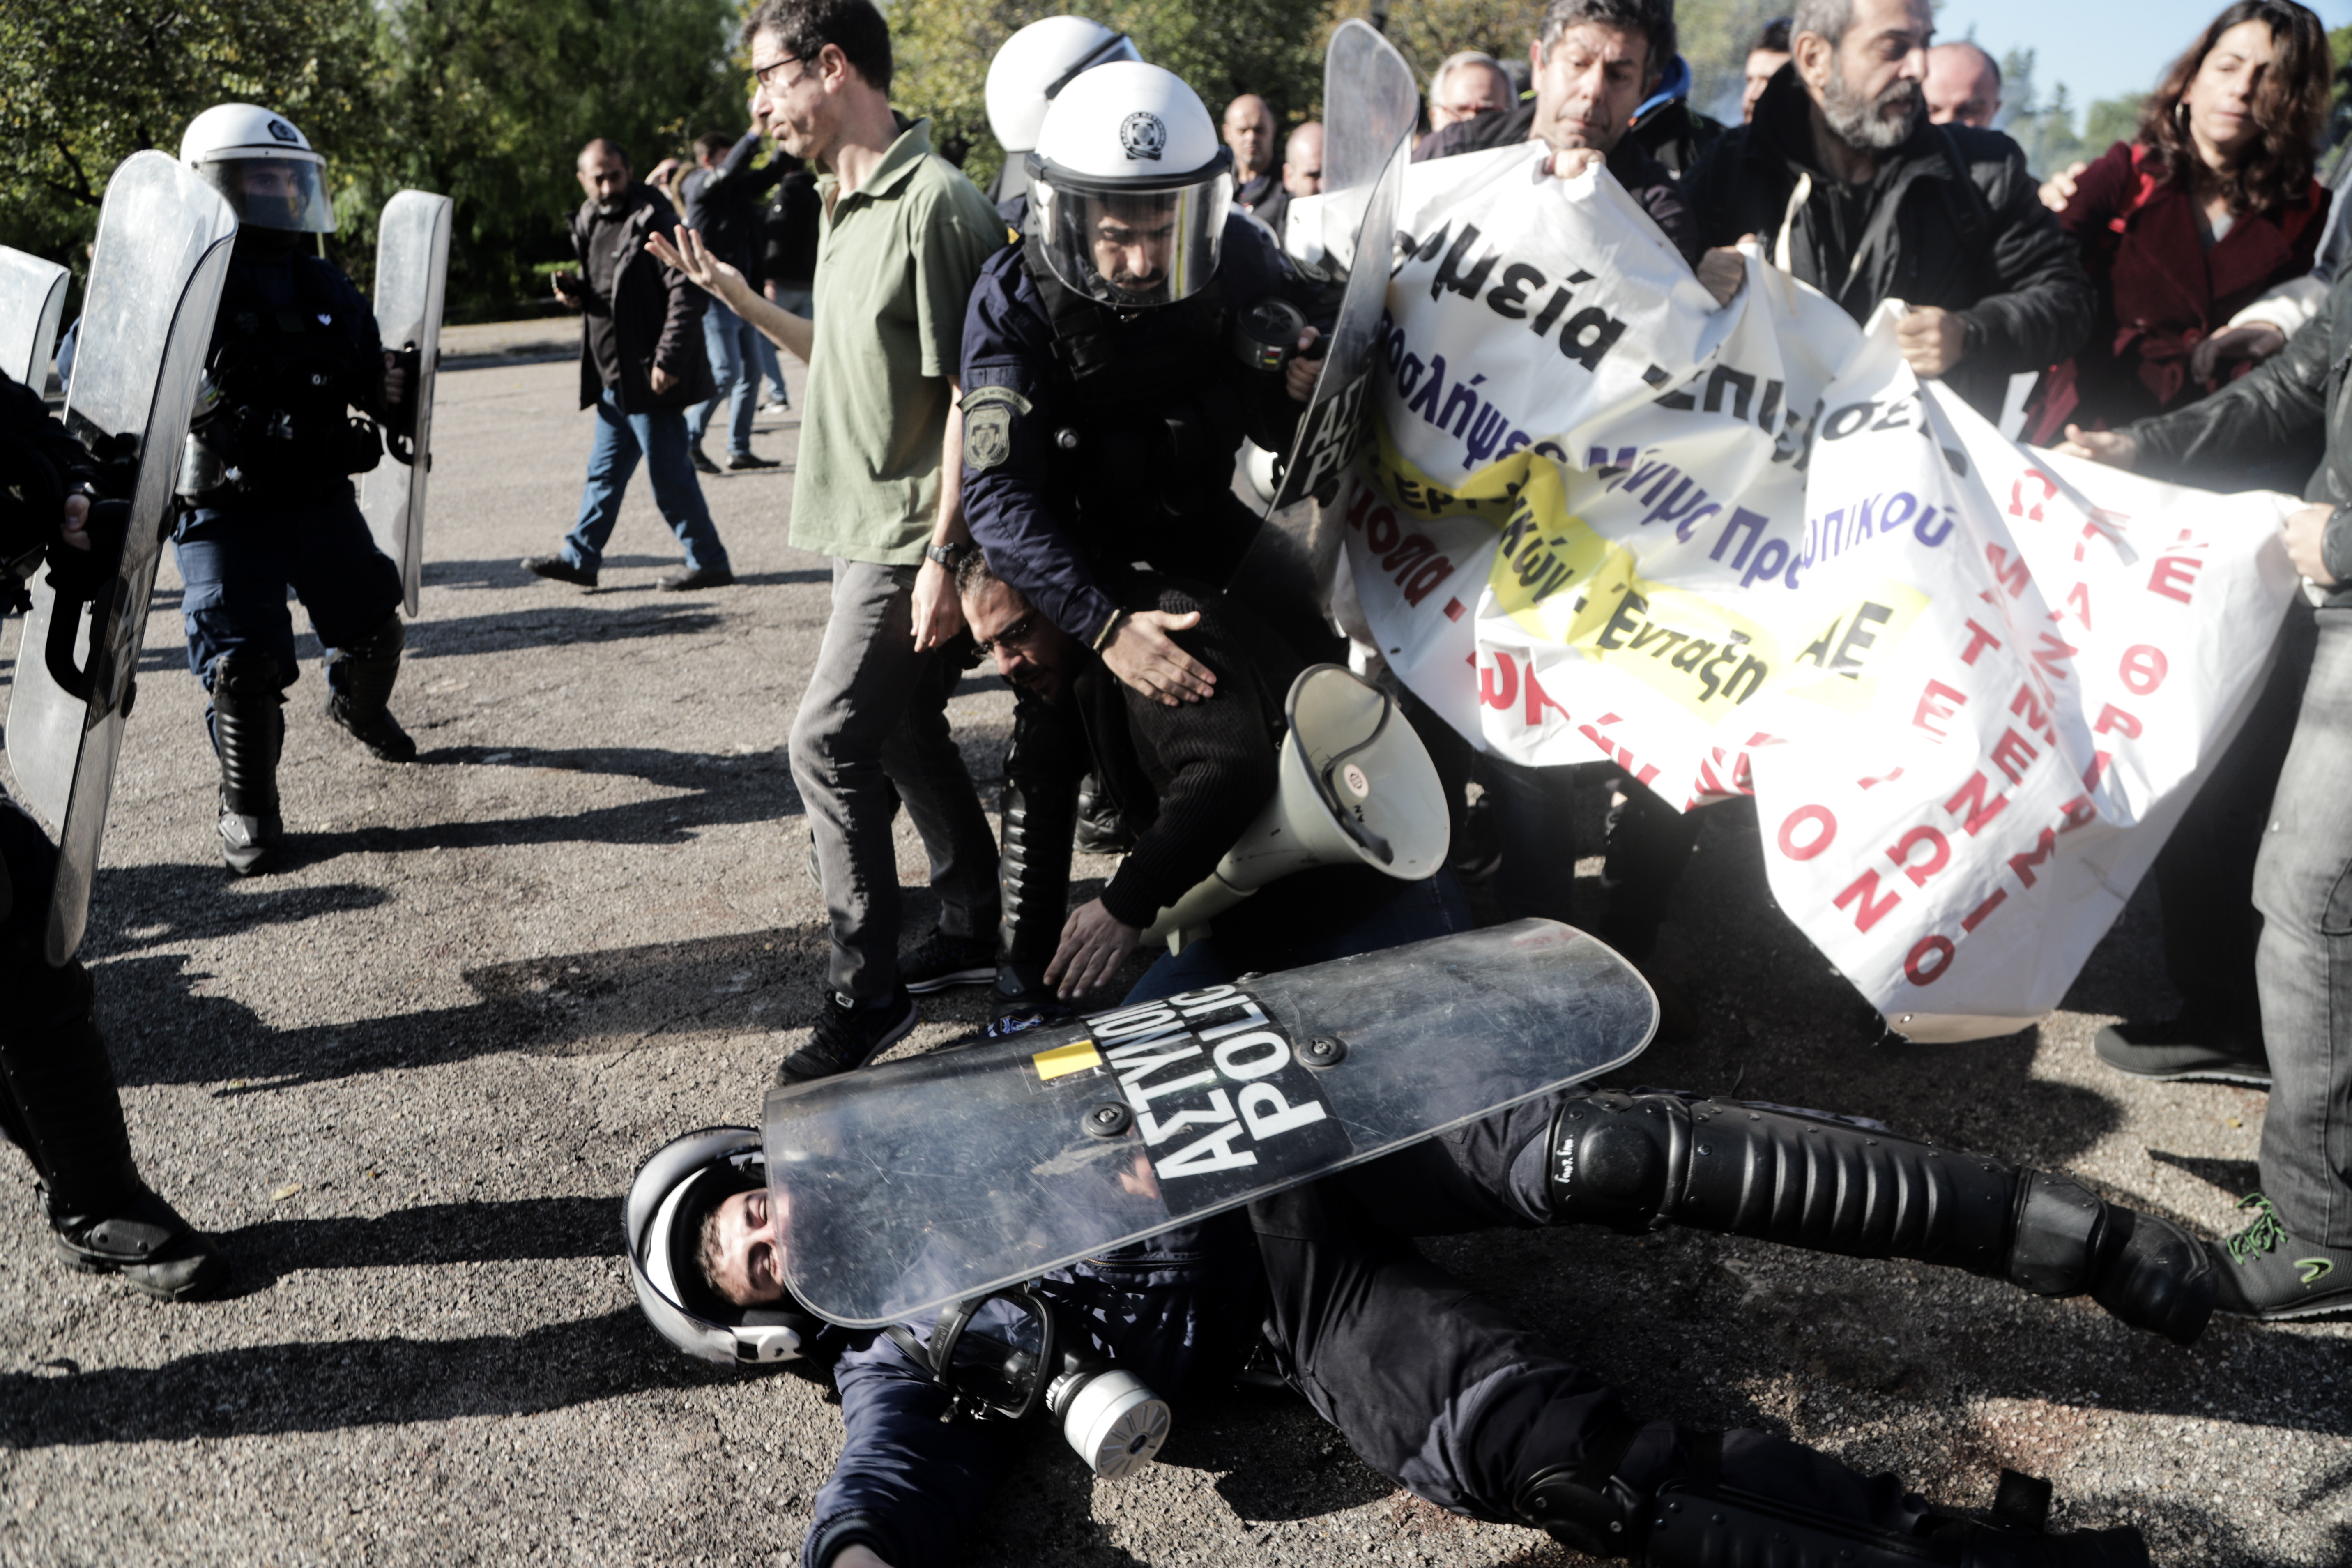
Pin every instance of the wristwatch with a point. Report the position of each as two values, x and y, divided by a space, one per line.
946 555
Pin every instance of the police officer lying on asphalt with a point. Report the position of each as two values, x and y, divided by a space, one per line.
57 1097
1432 1386
267 481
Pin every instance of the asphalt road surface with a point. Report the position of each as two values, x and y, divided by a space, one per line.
407 1079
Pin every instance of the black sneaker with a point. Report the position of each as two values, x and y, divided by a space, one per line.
2182 1050
697 577
556 569
701 461
940 960
846 1037
2268 1273
738 462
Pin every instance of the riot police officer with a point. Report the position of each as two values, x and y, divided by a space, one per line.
267 485
57 1096
1028 72
1113 362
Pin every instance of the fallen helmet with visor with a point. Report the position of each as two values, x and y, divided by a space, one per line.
673 1197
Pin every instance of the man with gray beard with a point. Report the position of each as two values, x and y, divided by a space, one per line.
1847 184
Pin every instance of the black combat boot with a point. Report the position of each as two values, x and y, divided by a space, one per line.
360 679
57 1099
1638 1161
249 731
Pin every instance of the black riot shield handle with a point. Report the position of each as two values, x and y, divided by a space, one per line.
84 579
400 420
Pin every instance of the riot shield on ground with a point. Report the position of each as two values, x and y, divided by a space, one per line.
1371 105
162 250
412 266
32 303
924 1181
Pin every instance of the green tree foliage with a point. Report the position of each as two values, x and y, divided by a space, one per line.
86 83
488 100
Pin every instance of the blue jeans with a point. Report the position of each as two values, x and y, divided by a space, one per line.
2303 886
658 437
1423 910
800 302
728 338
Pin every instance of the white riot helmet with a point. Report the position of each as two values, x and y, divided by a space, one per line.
1033 67
1129 187
674 1193
263 165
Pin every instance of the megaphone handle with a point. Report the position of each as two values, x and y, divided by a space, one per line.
1354 828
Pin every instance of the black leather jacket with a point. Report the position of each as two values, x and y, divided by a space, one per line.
2292 408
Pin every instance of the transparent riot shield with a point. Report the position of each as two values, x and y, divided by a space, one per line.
155 276
32 304
412 267
925 1181
1370 104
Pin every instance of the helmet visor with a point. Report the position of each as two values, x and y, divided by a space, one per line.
1130 247
273 192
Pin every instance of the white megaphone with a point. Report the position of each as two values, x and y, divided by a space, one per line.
1355 787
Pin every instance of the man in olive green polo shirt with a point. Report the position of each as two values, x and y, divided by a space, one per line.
880 489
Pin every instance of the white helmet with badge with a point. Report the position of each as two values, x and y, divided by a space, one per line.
263 165
1129 187
1033 67
673 1197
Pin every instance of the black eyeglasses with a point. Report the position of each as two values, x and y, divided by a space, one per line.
1014 636
761 73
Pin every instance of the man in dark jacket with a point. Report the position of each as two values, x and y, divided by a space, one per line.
642 366
1596 64
1853 191
722 196
2295 1259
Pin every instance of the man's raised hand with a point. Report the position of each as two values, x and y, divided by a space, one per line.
689 255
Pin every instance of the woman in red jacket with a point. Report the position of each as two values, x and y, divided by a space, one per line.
2211 208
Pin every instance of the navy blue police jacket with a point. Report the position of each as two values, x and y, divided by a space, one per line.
1020 506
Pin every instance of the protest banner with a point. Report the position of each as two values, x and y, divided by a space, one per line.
1745 551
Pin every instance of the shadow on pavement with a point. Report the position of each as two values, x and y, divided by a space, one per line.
315 1386
516 1230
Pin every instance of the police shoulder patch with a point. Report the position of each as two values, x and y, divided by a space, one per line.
988 416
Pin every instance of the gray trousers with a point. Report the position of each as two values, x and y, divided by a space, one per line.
2303 886
871 722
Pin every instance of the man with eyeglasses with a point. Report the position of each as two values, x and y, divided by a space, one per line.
902 237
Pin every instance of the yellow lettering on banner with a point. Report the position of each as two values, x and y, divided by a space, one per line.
1064 1061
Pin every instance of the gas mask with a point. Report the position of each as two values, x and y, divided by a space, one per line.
1007 1355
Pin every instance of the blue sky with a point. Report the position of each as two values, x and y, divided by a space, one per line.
2102 49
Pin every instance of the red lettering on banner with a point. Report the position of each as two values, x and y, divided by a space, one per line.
2078 599
1820 816
2028 707
2017 504
1380 531
1979 639
2098 767
1454 608
2079 813
2144 667
1939 854
1435 570
2053 649
1539 700
1500 687
1980 810
2174 577
2043 848
2012 577
2103 524
2011 748
1917 967
2114 721
1975 917
1363 503
1859 892
1937 701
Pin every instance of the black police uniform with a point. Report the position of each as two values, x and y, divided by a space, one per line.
1095 437
57 1097
270 504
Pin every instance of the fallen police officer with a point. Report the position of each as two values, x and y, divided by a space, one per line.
1432 1385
